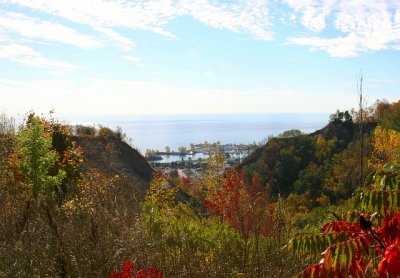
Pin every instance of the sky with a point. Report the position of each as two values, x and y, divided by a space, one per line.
120 57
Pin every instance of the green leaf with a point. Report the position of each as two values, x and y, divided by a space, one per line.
313 244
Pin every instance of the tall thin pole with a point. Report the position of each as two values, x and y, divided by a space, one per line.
361 129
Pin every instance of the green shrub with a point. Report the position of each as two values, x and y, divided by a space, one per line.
83 130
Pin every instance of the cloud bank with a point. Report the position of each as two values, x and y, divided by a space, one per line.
342 28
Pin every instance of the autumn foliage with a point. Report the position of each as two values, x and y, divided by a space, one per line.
245 207
367 246
62 216
128 271
385 147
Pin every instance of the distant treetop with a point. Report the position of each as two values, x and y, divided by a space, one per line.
341 117
290 133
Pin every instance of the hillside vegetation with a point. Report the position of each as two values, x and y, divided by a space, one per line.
80 202
311 163
68 202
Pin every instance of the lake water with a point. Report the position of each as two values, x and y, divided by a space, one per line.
156 132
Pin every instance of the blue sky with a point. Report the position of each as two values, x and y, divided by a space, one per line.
125 57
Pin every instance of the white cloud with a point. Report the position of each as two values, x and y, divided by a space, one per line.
27 56
15 50
30 27
98 14
340 27
336 47
364 25
133 59
109 18
153 15
30 30
251 16
313 13
118 40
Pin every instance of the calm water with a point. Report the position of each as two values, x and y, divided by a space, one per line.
156 132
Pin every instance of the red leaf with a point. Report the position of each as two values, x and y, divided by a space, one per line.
391 229
390 264
342 226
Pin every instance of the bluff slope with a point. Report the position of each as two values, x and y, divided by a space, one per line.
112 157
304 163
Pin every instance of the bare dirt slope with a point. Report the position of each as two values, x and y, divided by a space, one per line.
111 157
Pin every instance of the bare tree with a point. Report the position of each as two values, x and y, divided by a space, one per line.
362 106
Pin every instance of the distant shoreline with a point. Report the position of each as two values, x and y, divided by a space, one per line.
156 131
202 151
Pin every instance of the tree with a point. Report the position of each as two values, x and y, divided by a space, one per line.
324 148
83 130
160 195
347 117
385 147
341 117
391 116
37 160
182 150
343 172
290 133
82 226
7 138
309 181
7 125
49 162
244 207
365 247
149 153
